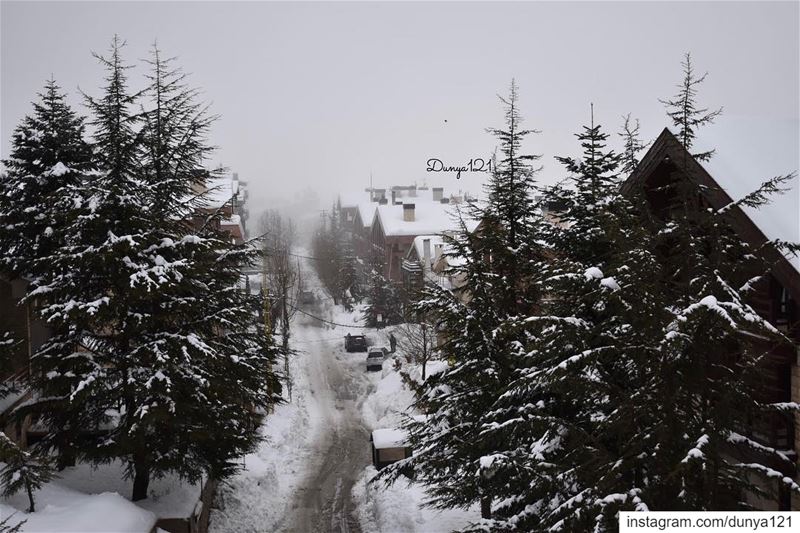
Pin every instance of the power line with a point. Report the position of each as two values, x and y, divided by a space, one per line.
330 322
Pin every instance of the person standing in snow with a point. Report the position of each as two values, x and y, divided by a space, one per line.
392 342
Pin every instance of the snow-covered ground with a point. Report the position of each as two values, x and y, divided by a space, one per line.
259 497
315 446
60 508
83 498
399 507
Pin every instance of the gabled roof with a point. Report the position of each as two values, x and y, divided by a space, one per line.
667 146
352 199
366 211
417 251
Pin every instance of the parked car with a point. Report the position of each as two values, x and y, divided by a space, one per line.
307 297
375 359
355 343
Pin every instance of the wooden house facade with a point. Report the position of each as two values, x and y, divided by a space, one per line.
775 297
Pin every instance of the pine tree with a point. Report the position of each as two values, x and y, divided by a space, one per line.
684 111
581 231
155 358
173 139
713 353
43 191
42 185
23 470
382 298
632 145
544 420
458 457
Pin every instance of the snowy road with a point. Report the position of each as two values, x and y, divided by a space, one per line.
322 502
301 477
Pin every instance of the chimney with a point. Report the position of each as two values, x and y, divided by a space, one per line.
438 194
394 197
426 255
408 212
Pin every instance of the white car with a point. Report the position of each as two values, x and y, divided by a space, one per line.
375 359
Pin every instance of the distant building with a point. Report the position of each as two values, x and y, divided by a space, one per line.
394 228
226 198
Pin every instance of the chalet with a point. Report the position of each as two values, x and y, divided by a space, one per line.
394 228
775 299
362 229
225 196
347 204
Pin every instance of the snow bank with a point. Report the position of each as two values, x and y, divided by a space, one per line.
60 509
88 499
262 491
398 509
167 497
390 400
431 369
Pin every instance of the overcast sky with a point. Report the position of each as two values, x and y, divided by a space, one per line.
322 94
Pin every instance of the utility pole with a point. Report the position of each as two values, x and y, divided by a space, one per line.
265 295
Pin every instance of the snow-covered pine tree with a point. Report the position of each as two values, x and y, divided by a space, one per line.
24 470
89 295
43 190
565 417
455 457
684 111
204 364
155 358
41 187
382 298
710 377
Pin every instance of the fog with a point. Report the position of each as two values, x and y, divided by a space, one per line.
315 98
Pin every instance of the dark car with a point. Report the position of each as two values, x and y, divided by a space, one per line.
307 297
355 343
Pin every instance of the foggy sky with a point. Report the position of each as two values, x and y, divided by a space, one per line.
323 94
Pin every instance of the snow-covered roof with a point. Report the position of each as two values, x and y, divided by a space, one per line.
221 190
366 210
419 247
234 220
389 438
353 199
430 218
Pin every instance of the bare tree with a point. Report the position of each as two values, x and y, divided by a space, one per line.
417 340
282 279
